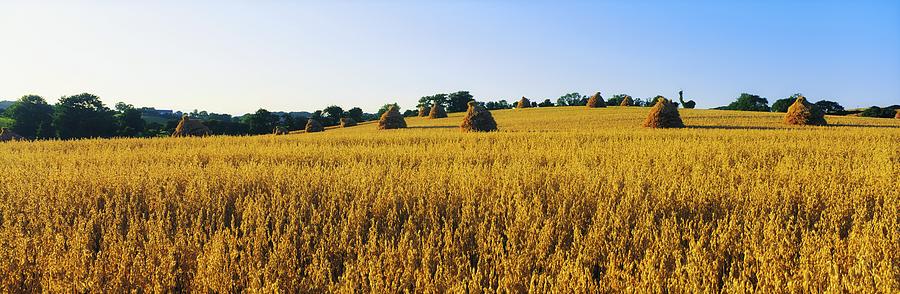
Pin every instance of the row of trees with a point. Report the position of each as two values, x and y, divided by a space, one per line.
750 102
85 116
453 102
76 116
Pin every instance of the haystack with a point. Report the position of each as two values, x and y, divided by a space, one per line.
478 119
437 111
897 114
188 127
279 130
627 101
523 103
7 135
347 122
804 113
313 126
392 119
424 111
596 101
664 114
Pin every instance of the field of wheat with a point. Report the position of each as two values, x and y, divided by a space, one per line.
561 199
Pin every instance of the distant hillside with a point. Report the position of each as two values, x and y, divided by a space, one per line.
5 104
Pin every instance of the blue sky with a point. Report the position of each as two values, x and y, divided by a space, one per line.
237 56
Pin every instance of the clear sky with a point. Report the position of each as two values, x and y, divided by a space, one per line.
235 57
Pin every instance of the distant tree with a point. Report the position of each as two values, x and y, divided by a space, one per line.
333 112
459 101
155 129
533 104
781 105
288 121
749 102
384 108
231 128
495 105
650 102
369 117
261 122
355 113
572 99
830 107
546 103
129 120
876 111
32 117
436 99
410 113
83 116
617 99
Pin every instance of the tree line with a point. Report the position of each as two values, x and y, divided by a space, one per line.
86 116
750 102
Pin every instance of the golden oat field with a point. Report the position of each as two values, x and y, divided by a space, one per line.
561 200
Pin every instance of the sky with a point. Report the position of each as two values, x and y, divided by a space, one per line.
238 56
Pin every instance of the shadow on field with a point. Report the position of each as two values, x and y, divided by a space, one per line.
433 127
865 126
734 128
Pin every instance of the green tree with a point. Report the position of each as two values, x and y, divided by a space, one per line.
287 120
650 102
83 116
572 99
494 105
546 103
876 111
384 108
129 120
749 102
410 113
459 101
333 112
261 122
436 99
830 107
617 99
32 117
781 105
356 114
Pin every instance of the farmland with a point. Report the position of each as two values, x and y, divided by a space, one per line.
562 199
